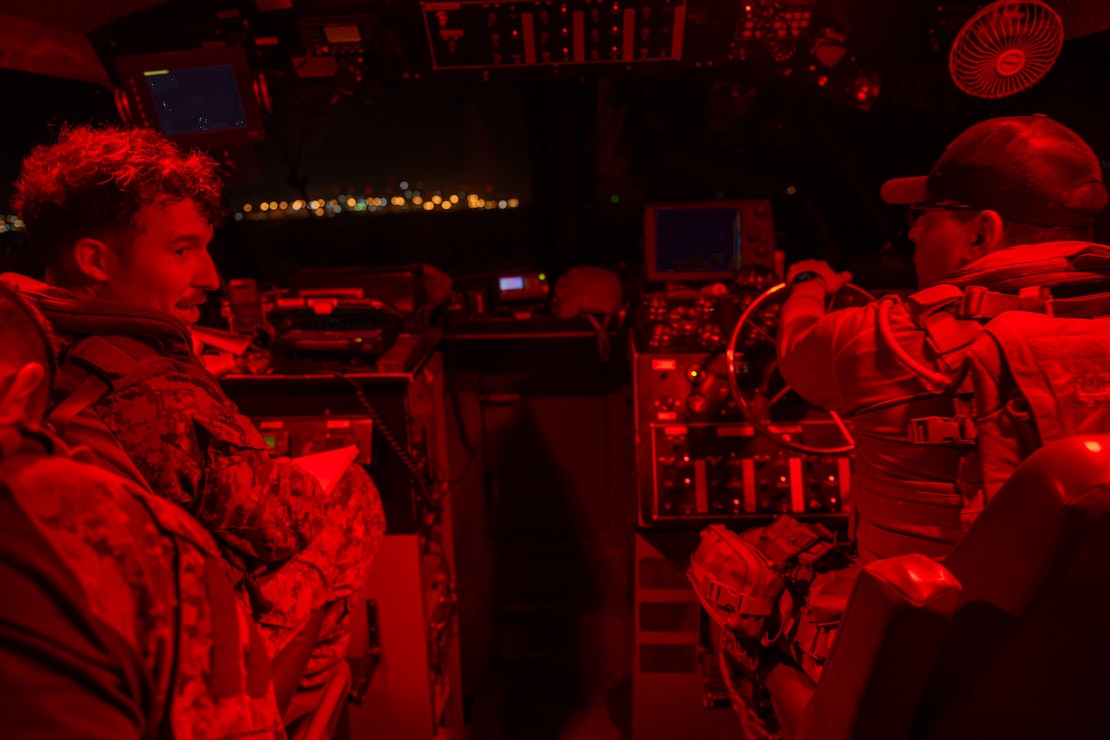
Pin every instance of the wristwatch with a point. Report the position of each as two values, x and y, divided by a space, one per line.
805 276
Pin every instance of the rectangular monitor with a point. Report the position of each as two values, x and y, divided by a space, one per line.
201 97
706 241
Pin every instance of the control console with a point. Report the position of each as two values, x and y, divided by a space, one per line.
699 460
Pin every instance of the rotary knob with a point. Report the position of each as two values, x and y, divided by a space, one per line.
697 403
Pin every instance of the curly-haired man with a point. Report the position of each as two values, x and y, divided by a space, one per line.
114 600
121 220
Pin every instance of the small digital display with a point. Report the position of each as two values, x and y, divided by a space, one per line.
195 100
512 283
698 240
342 33
270 440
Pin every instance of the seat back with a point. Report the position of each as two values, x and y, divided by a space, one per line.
1017 647
886 644
1027 652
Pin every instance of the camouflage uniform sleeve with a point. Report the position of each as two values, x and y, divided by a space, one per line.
194 448
61 674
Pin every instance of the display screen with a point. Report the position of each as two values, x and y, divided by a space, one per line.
346 33
196 100
512 283
697 240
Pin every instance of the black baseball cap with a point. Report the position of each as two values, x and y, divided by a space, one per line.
1029 169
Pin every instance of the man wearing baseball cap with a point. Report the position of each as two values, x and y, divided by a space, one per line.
1004 217
1009 208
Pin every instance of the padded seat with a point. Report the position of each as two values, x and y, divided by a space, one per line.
1010 637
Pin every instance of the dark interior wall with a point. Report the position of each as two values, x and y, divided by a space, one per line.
585 149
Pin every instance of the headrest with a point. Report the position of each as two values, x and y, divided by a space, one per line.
1032 524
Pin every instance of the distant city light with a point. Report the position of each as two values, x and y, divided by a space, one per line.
411 200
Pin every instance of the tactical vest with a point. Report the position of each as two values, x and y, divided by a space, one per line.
110 346
239 666
114 347
1022 369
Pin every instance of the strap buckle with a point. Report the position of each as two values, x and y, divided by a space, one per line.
934 430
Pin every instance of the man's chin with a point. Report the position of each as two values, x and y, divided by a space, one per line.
189 315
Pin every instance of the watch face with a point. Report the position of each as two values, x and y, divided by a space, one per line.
801 277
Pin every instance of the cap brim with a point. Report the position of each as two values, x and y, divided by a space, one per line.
906 190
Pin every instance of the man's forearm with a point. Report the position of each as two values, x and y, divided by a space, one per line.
803 308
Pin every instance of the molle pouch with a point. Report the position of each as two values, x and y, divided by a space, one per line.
818 621
787 542
735 583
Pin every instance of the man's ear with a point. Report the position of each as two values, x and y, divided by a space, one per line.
92 259
987 236
20 394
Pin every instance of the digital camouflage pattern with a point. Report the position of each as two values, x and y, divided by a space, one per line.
327 573
192 446
307 549
154 577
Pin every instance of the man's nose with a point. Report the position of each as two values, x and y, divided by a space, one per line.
915 231
207 278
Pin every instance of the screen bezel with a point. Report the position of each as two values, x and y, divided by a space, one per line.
651 270
131 70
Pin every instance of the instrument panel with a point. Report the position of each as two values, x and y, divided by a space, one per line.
699 458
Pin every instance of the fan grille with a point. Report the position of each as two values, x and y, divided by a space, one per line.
1005 48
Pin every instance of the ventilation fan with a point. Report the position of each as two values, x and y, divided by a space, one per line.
1005 48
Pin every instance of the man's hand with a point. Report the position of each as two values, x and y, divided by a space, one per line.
830 279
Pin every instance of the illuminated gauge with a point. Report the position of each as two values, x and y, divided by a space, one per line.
661 335
684 320
657 309
709 335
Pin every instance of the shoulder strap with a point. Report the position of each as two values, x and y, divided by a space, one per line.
924 302
93 367
1080 307
97 365
120 360
935 382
